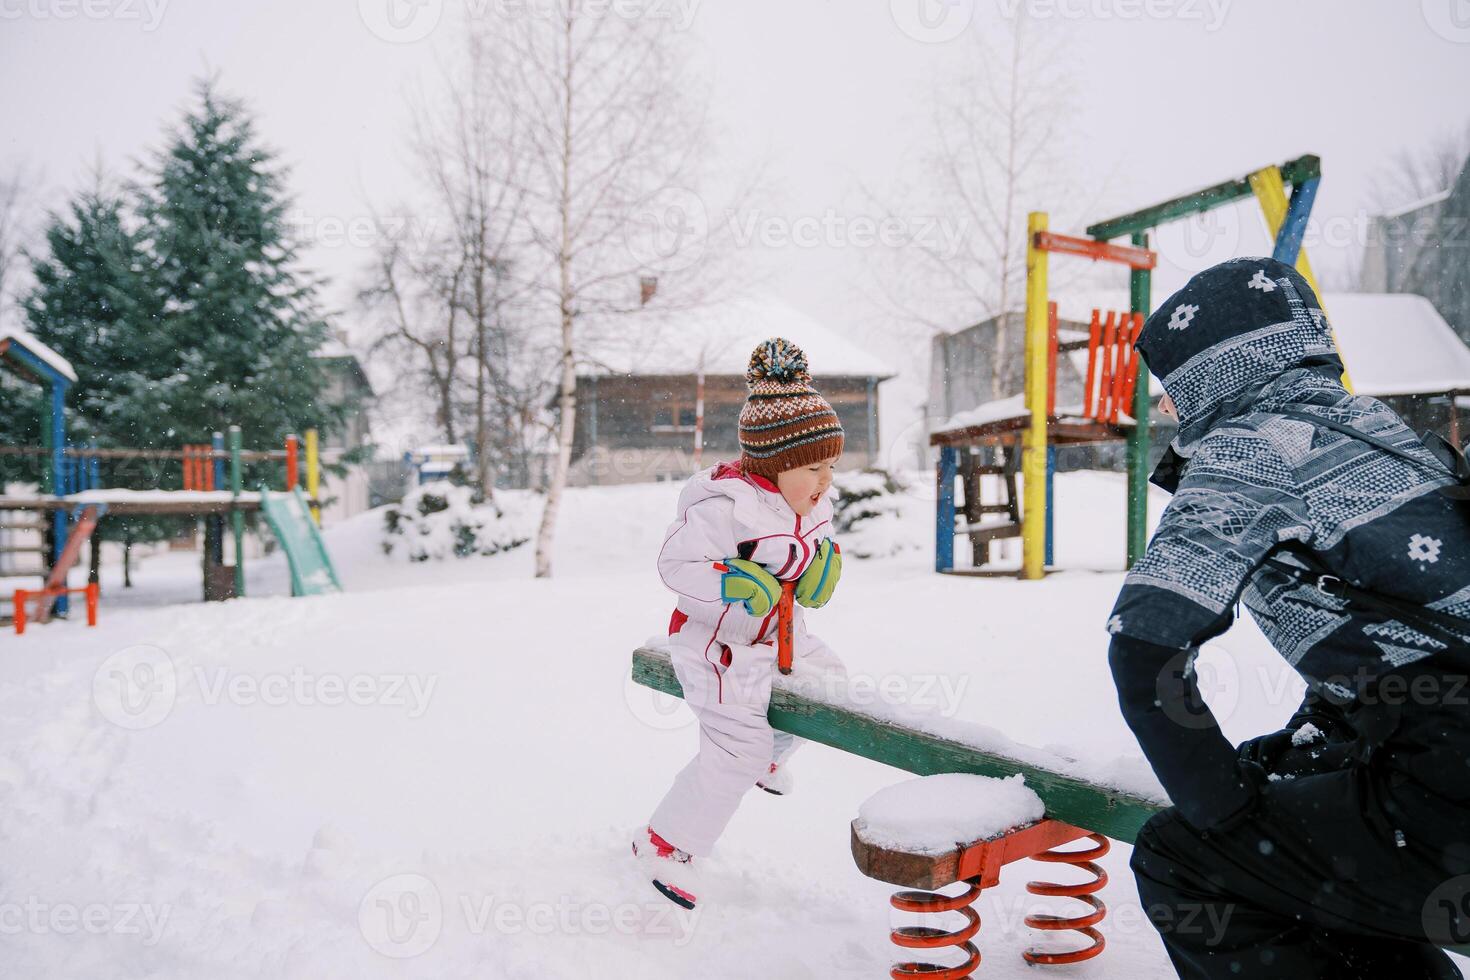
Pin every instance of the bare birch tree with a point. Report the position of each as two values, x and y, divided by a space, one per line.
997 128
14 186
1417 172
611 146
442 281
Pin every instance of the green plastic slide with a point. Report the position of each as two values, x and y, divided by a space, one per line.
289 516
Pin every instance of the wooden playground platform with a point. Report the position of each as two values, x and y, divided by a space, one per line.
122 502
1061 430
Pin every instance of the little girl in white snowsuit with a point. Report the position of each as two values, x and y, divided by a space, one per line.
742 529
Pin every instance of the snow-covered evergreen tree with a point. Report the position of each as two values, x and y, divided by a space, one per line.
94 302
241 319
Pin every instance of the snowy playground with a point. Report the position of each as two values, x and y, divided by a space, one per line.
445 763
452 453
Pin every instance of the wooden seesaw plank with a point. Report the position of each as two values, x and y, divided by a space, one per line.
1110 812
1075 801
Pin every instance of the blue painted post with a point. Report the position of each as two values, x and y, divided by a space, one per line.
215 523
1051 502
60 479
1294 228
217 443
948 469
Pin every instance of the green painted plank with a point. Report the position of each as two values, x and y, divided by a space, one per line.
1292 172
1107 811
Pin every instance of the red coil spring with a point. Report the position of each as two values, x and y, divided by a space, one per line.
1084 860
932 937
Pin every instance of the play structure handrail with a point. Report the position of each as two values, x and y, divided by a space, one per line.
1112 364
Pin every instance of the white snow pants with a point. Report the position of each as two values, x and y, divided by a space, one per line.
736 743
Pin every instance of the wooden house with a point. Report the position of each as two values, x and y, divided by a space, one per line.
659 391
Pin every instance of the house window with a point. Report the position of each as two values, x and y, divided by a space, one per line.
664 418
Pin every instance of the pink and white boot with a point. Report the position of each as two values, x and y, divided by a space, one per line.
670 869
778 780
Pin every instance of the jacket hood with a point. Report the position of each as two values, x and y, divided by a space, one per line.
756 498
1219 342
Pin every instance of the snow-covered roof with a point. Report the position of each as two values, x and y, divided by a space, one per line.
445 451
1397 344
658 340
1413 206
28 340
1013 407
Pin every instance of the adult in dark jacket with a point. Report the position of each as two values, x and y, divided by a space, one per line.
1340 846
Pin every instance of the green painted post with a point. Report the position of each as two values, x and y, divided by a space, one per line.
237 516
1140 287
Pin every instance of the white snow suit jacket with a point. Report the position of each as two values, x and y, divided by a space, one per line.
724 513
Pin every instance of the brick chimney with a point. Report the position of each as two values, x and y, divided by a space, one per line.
647 286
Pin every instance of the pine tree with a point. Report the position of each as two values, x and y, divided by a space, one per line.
241 319
181 306
93 302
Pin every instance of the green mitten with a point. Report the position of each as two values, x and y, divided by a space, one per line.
749 583
819 580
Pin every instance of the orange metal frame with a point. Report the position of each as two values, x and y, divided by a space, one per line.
22 596
978 867
1132 256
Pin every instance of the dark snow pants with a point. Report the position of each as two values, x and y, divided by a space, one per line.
1343 874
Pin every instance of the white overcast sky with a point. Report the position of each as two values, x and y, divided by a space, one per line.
1173 95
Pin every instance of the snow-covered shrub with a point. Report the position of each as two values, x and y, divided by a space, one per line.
438 520
868 513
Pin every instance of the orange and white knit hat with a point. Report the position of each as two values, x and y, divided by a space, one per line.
785 423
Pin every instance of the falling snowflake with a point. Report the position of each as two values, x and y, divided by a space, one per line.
1424 548
1262 282
1115 625
1182 316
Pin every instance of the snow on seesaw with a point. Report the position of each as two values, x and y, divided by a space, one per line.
437 773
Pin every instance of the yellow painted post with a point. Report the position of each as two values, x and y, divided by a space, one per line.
313 474
1270 191
1033 442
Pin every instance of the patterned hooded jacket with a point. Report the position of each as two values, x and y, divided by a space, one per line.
1240 343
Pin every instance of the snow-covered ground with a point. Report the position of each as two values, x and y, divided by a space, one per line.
436 774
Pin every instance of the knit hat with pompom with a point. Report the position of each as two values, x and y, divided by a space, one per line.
785 423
